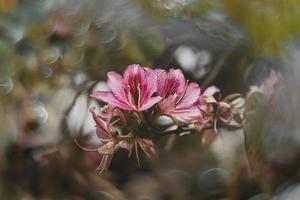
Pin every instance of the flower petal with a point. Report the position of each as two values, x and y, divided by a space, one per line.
189 97
208 94
210 91
109 98
115 83
167 105
133 72
150 103
170 82
189 115
147 146
152 76
103 135
98 120
135 83
101 130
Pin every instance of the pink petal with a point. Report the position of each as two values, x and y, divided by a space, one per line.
130 99
135 81
201 104
208 94
147 146
101 130
201 99
167 105
210 91
134 71
107 114
152 75
100 123
109 98
162 80
189 97
188 115
150 103
170 82
150 87
115 83
102 134
177 75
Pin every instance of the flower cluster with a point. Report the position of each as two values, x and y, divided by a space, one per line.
137 101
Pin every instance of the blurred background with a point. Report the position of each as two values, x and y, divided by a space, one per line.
53 53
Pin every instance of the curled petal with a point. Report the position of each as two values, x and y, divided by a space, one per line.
147 146
210 99
103 135
208 95
108 113
211 91
101 131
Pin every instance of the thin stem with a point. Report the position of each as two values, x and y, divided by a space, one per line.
137 154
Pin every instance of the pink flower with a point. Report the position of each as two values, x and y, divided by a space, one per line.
107 148
206 99
134 91
179 95
108 132
205 104
215 111
105 135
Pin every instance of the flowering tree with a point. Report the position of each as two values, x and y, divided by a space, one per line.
137 101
